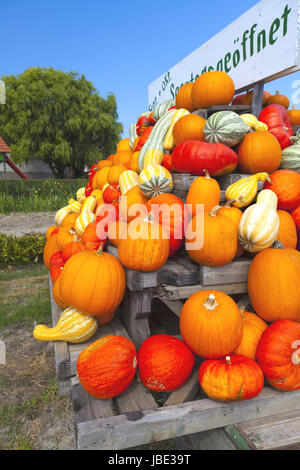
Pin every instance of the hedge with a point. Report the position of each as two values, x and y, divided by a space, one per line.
21 250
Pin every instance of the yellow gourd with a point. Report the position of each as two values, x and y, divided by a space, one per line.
254 123
169 142
259 225
152 157
86 215
80 195
72 207
73 326
128 180
243 191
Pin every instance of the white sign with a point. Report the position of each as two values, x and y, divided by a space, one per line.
2 92
263 44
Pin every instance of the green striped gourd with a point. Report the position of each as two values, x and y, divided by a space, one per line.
162 109
132 134
128 180
73 326
291 158
243 191
225 127
157 136
155 180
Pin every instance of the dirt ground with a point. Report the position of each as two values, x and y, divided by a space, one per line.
21 223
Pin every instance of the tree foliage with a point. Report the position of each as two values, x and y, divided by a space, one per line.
59 118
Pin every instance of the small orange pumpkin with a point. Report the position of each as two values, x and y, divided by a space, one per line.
51 231
259 152
211 324
253 328
100 178
50 248
279 99
114 174
205 191
189 127
133 197
287 230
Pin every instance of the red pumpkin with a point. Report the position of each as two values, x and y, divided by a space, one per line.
278 354
111 194
90 238
195 157
235 378
143 138
279 124
55 272
168 161
238 99
92 172
168 210
296 217
57 259
286 185
71 249
165 363
106 367
88 190
143 123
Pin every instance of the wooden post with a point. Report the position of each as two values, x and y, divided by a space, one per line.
257 98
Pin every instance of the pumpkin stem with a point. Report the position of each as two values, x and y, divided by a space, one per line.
278 245
210 303
228 360
214 211
100 249
229 203
207 175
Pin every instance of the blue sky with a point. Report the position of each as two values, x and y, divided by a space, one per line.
120 46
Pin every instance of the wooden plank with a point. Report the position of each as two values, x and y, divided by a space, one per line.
257 98
176 293
216 439
187 392
272 432
174 305
86 407
62 357
235 272
158 424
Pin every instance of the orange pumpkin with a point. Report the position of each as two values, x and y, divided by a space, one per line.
278 354
287 230
51 231
189 127
211 89
279 99
286 186
211 324
253 328
106 367
248 97
259 152
104 163
273 284
70 219
133 199
134 162
93 282
294 115
235 214
71 249
123 146
90 239
66 235
114 174
165 363
184 97
49 249
115 231
232 379
219 239
100 178
122 157
146 247
205 191
56 295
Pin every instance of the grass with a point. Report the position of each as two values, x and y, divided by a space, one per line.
37 195
25 295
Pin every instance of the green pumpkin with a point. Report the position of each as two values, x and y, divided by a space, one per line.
225 127
291 158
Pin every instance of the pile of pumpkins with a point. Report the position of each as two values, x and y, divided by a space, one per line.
131 192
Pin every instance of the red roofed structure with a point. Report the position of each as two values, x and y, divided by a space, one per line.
5 150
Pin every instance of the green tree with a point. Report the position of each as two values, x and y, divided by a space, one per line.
59 118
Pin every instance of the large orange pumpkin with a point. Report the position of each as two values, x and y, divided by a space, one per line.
219 239
212 88
232 379
116 230
107 367
278 354
253 328
146 247
273 284
169 211
259 152
56 295
203 191
211 324
93 282
287 230
286 186
50 248
184 97
189 127
165 363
